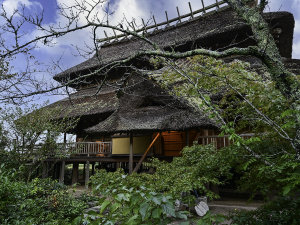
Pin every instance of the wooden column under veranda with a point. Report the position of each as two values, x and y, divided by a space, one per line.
75 173
87 174
45 169
131 154
62 172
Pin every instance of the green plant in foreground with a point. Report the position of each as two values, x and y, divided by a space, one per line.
122 203
42 201
282 211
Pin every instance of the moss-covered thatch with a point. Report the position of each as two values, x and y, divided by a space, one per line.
214 31
86 103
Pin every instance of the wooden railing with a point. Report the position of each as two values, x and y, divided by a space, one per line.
85 148
219 141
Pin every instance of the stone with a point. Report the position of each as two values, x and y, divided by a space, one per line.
201 208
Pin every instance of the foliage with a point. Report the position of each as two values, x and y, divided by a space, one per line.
128 205
42 201
228 88
281 177
242 100
198 167
30 135
3 138
149 198
209 219
283 211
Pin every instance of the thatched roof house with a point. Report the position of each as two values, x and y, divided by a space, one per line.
131 104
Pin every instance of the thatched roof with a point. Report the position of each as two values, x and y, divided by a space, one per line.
85 103
144 106
140 105
293 65
155 119
213 31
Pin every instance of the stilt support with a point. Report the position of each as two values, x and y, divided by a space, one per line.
45 170
93 168
87 174
75 173
62 172
131 155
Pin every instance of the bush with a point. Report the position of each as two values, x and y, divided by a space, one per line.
283 211
126 200
198 167
42 201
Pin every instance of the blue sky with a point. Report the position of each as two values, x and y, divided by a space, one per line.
131 9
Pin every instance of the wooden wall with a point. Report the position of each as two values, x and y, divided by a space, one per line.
170 143
120 145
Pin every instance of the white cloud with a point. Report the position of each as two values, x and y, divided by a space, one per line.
11 5
296 50
296 3
297 27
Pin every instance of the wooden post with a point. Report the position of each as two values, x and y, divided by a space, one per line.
179 17
87 174
191 10
155 22
45 170
187 137
131 154
206 139
145 154
203 6
167 18
93 168
65 138
56 170
75 173
62 172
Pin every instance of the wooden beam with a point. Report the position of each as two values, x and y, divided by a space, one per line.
145 154
65 138
131 154
45 170
75 173
93 168
62 172
187 137
87 174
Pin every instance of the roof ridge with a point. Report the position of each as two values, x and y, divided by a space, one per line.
219 5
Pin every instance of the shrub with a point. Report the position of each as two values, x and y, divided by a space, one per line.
126 200
283 211
42 201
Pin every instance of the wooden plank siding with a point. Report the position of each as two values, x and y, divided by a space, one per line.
173 142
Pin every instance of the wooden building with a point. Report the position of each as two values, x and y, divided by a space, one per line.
130 113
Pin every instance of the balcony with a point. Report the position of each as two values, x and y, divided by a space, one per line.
98 149
220 141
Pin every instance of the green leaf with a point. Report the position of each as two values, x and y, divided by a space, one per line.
132 221
286 190
143 209
169 209
156 200
156 213
77 220
181 215
104 205
185 223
